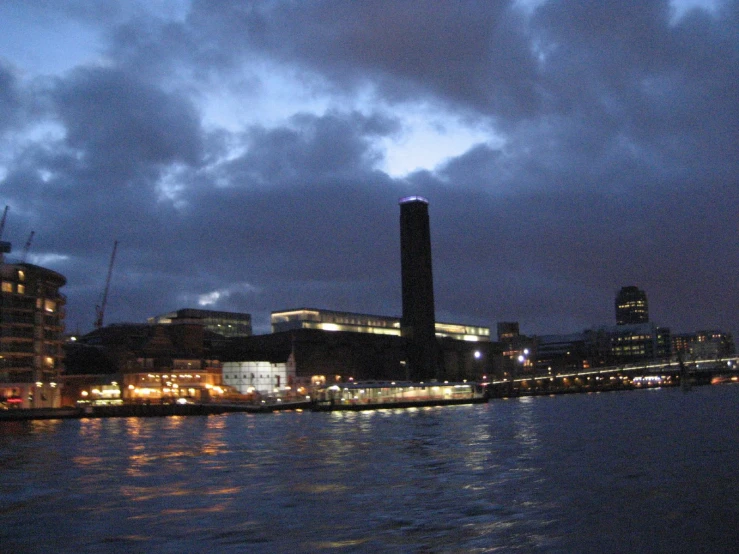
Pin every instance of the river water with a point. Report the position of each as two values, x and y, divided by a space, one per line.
642 471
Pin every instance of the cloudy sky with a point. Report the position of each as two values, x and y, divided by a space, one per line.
249 156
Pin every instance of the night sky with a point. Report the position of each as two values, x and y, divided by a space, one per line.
249 156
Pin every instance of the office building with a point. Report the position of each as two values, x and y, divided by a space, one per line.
638 342
704 345
602 346
226 324
329 320
631 306
418 320
561 353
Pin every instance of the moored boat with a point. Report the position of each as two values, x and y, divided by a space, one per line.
373 395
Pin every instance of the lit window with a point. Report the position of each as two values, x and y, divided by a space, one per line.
21 275
7 286
50 305
21 289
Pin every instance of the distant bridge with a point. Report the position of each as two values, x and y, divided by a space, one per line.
618 377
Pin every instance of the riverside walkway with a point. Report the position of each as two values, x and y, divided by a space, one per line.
624 377
657 373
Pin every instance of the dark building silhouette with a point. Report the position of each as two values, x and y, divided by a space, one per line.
418 320
148 362
325 356
345 356
508 330
631 306
709 344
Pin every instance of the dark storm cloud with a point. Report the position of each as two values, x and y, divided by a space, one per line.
310 150
617 162
299 198
101 179
663 87
602 76
119 136
303 218
21 104
446 50
120 123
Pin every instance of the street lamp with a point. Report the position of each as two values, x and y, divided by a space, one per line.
477 365
523 357
521 360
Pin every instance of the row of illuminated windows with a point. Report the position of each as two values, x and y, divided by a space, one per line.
343 320
442 330
250 377
629 350
181 365
355 328
7 286
299 315
309 319
228 324
455 329
633 338
47 305
633 304
20 288
335 318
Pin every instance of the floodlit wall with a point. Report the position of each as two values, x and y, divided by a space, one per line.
262 377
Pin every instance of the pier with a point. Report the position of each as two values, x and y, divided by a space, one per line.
151 410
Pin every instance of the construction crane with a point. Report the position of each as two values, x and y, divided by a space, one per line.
2 222
27 246
4 246
101 309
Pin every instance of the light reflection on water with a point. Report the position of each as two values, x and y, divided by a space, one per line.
648 471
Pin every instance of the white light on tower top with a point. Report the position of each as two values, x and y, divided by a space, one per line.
407 199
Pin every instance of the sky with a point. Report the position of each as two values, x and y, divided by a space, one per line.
249 156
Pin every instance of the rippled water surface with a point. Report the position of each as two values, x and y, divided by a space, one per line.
644 471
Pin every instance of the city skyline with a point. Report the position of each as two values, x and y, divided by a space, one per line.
250 157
